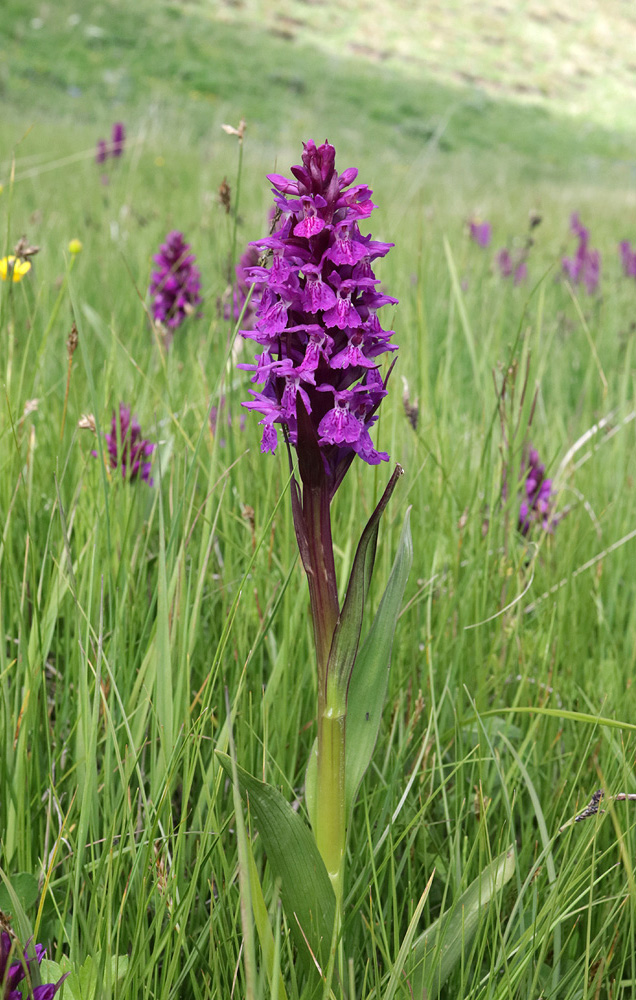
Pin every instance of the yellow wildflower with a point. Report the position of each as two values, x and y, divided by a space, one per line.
13 268
75 246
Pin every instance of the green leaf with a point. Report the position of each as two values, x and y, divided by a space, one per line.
440 948
81 983
306 893
25 887
344 645
368 684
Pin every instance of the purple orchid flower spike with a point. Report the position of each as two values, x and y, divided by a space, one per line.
118 137
537 503
316 318
628 258
511 267
585 266
480 233
127 449
175 283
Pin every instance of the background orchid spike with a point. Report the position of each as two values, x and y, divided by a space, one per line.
537 504
175 283
316 319
128 450
585 266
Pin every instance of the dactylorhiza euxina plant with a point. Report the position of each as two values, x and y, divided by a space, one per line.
321 345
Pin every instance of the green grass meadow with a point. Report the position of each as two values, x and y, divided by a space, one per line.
143 627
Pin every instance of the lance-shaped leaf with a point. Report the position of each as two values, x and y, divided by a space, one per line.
370 675
440 948
306 893
346 636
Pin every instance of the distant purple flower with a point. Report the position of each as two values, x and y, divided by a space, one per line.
628 259
127 449
13 974
316 319
480 232
538 496
175 284
101 151
585 266
509 267
117 140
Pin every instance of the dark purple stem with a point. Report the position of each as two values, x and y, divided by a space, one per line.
321 576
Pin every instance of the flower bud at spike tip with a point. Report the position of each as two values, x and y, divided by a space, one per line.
316 319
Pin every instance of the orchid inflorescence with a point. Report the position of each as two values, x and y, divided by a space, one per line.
537 503
585 266
316 318
175 283
114 148
128 451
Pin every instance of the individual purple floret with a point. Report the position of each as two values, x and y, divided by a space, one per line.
538 496
117 139
175 284
480 232
101 151
127 449
628 259
13 974
316 319
509 267
585 266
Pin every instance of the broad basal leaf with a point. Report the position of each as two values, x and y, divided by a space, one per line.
306 893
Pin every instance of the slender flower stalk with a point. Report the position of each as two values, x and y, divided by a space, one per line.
321 340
